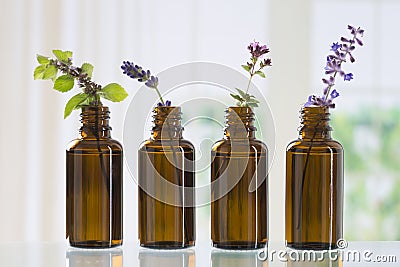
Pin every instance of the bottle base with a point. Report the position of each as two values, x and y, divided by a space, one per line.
311 245
94 244
238 245
167 245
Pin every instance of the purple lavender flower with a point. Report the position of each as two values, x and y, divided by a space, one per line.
329 82
137 72
257 50
348 76
355 32
266 62
167 104
334 66
254 67
341 51
310 101
335 46
339 56
314 100
334 94
152 82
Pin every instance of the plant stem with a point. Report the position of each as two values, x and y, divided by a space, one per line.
248 84
160 97
329 88
251 75
303 178
89 87
95 131
181 193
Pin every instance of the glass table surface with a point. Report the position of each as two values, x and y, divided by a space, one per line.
367 254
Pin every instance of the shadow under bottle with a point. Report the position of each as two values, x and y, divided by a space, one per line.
239 185
94 183
166 184
314 184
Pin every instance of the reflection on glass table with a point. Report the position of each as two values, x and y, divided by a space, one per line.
94 258
220 258
353 254
299 258
167 258
42 254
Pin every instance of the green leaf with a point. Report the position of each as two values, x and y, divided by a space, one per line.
42 59
253 101
237 97
86 102
87 68
62 55
113 92
50 72
38 72
75 101
246 67
252 105
64 83
262 74
241 93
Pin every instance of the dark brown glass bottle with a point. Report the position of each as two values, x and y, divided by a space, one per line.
314 184
94 183
239 189
166 184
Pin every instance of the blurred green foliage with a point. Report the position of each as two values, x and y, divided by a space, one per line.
371 140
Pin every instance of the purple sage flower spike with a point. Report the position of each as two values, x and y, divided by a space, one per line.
342 51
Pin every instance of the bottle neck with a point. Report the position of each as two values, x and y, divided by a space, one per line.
315 123
167 123
239 123
95 122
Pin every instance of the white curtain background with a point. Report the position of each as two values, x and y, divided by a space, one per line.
157 35
153 33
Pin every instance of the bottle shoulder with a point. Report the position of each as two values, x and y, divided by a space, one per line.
259 143
219 144
228 145
159 145
329 145
94 144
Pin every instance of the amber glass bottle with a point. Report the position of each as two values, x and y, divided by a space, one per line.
94 183
314 184
239 217
166 184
